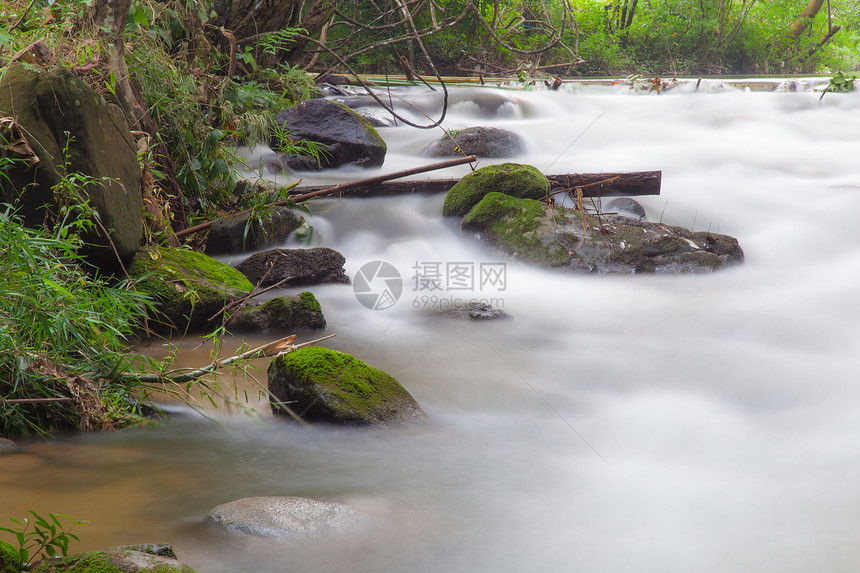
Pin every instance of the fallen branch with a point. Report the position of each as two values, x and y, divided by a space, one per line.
34 400
593 185
341 187
275 348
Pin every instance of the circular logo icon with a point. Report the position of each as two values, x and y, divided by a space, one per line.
377 285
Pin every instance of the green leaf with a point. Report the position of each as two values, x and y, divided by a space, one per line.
140 16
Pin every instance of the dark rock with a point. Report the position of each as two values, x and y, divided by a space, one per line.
325 385
187 287
627 207
46 105
301 266
295 313
349 138
115 560
286 517
272 228
529 231
480 141
511 179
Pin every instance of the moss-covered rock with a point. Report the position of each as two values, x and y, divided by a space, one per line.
116 560
8 558
71 129
294 313
530 231
331 386
511 179
188 287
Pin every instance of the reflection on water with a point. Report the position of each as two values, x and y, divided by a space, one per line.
656 423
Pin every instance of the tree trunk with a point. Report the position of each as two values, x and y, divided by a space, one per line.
796 28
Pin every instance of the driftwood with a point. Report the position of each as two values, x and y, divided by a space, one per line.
318 191
593 185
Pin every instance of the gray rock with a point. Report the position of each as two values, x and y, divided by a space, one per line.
481 141
293 313
301 266
229 235
349 138
325 385
529 231
479 312
286 517
627 207
46 105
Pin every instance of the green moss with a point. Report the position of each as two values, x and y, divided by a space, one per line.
519 227
329 385
310 302
8 558
82 563
511 179
188 286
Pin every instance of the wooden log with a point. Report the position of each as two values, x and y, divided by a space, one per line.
593 185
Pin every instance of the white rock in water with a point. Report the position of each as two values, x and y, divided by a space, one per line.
285 517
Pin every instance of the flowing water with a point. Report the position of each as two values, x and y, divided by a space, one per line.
705 423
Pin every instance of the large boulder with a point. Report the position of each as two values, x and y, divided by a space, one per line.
187 287
286 517
149 558
242 233
320 384
481 141
530 231
301 266
72 130
293 313
349 139
511 179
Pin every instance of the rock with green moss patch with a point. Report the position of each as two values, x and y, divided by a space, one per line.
8 558
349 138
511 179
187 287
330 386
294 313
529 231
116 560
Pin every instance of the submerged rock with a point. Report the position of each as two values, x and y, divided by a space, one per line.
349 139
187 287
237 234
530 231
301 266
7 446
286 517
325 385
148 558
481 141
478 312
294 313
512 179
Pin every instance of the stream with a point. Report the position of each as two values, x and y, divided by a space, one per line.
665 423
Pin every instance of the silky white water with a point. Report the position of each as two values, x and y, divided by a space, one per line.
706 423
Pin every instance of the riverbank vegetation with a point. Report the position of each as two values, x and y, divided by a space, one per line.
198 78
